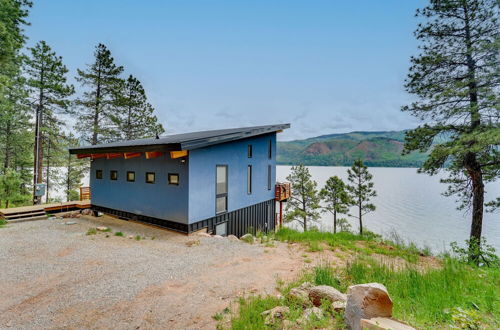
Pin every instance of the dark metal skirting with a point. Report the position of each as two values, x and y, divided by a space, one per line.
143 218
250 219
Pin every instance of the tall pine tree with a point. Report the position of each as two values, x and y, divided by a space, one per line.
304 203
134 115
361 190
97 106
455 79
337 200
49 93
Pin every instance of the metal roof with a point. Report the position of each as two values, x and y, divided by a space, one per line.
185 141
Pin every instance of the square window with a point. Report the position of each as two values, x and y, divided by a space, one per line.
150 177
113 175
98 174
173 178
249 151
130 176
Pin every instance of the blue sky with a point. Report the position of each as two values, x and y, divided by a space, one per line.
323 66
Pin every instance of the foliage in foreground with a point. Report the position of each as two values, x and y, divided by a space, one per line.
454 295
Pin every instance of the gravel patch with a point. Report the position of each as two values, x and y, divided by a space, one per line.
54 275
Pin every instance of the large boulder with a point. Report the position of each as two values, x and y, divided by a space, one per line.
248 238
278 312
365 301
301 293
325 292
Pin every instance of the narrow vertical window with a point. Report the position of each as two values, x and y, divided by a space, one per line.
269 176
270 149
130 176
98 174
249 151
113 175
249 179
221 188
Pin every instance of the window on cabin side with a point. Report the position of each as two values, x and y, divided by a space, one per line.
249 179
98 174
113 175
269 177
249 151
221 189
130 176
270 149
173 178
150 177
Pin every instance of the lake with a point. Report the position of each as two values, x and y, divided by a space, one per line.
412 205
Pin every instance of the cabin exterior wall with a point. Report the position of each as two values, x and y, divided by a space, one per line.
158 200
202 173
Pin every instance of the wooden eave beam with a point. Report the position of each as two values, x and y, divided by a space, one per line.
129 155
178 154
153 154
114 155
96 156
80 156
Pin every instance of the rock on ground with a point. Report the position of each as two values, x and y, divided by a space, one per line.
317 293
277 312
384 323
365 301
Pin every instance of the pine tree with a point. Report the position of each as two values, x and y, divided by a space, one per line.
75 170
304 202
49 92
337 200
135 117
10 188
55 156
98 105
361 190
13 15
455 79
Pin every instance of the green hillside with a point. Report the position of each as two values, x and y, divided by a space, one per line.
374 148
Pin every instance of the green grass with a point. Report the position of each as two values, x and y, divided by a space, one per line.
119 233
427 298
92 231
138 237
3 223
368 244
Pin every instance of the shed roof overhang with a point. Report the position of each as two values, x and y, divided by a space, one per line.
177 142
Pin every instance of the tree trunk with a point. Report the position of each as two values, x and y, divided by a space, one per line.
48 170
334 221
360 218
476 176
95 128
305 214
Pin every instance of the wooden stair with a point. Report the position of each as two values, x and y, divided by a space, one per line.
26 216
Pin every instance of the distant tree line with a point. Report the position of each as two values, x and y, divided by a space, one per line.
41 114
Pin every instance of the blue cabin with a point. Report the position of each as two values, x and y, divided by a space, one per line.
221 181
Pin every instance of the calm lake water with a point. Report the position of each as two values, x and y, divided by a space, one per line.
412 205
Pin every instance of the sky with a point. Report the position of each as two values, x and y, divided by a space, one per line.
322 66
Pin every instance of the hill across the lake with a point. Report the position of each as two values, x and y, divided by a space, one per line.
374 148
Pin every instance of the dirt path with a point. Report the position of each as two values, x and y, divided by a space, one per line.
55 276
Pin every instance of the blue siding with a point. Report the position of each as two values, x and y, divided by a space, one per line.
159 200
202 163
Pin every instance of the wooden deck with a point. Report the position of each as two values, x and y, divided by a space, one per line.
39 211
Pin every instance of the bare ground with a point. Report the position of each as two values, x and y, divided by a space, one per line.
55 276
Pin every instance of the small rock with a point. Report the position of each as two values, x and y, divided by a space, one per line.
277 312
248 238
338 306
317 293
299 295
287 324
384 323
78 215
365 301
232 238
202 234
130 236
313 312
217 236
101 228
194 242
306 286
70 223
